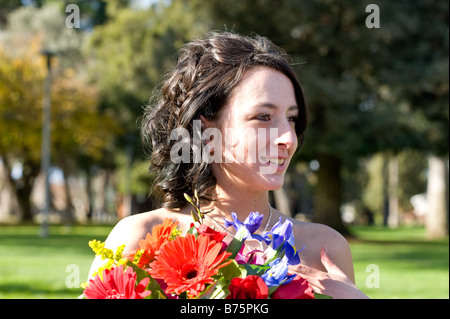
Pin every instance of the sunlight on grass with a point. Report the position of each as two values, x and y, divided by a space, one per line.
34 267
409 266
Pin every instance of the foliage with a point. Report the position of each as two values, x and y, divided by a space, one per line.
48 24
368 90
21 88
412 69
127 57
359 83
79 131
364 185
129 54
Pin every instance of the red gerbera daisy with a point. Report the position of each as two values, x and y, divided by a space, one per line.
117 284
153 242
188 263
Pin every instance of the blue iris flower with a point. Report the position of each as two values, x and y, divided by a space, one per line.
277 273
248 227
281 238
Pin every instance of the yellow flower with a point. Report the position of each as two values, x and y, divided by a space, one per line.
113 258
175 233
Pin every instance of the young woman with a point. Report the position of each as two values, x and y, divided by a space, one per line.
242 108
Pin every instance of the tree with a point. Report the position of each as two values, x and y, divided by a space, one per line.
128 55
368 89
7 6
318 34
437 197
20 88
419 83
78 129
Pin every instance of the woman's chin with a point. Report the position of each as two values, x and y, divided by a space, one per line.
273 183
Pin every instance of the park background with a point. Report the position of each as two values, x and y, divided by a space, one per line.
374 164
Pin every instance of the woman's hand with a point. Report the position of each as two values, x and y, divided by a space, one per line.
333 283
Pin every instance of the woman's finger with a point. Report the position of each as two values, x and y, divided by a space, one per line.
314 276
333 270
304 270
329 265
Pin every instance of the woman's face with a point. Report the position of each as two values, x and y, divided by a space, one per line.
258 131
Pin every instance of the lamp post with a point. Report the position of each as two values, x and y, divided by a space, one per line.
45 148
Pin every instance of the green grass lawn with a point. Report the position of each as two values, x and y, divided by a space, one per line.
408 265
34 267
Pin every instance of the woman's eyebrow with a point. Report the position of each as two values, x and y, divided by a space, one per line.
273 106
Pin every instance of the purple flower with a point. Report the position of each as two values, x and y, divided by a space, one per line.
278 273
249 226
253 222
244 230
281 239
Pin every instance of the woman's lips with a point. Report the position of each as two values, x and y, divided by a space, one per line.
279 163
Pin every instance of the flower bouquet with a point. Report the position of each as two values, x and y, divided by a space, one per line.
201 264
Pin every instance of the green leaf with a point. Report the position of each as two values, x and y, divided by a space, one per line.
238 241
234 247
232 270
272 289
256 269
193 231
206 294
195 216
226 274
320 296
188 198
221 290
153 286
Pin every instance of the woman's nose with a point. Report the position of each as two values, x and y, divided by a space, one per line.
286 137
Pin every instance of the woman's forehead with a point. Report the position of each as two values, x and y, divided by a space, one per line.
263 87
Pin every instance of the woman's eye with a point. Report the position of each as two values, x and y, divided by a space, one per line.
263 117
292 119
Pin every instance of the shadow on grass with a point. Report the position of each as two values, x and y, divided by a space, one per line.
407 247
75 239
29 290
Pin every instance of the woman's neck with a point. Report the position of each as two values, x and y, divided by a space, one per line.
239 201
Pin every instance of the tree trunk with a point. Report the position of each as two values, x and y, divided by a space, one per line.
327 197
69 202
385 179
437 215
23 186
90 194
394 218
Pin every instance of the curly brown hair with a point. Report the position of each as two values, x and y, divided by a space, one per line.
201 83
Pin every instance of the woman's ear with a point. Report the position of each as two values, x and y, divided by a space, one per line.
206 123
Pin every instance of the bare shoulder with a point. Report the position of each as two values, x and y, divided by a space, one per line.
314 237
131 230
322 233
